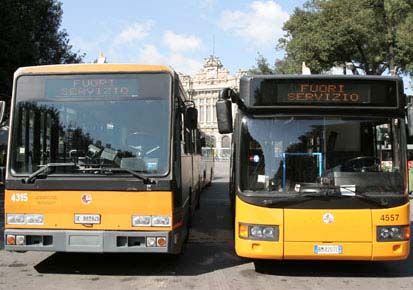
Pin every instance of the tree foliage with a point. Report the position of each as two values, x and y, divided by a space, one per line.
373 35
30 34
262 66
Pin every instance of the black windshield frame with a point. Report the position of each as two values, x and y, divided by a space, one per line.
169 98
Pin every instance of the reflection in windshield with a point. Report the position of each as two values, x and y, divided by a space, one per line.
304 154
113 132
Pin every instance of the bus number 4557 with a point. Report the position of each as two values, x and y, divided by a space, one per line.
389 217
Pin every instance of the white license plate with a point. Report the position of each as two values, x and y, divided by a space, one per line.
87 219
328 249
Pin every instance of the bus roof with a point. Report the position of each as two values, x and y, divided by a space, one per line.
91 68
332 77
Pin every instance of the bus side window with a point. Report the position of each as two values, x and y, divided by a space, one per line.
184 142
198 143
188 137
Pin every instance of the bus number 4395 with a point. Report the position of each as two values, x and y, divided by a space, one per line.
19 197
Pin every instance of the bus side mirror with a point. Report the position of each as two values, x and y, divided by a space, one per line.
410 119
191 118
224 111
2 109
2 177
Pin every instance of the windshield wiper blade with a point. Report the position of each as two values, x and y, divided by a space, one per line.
363 197
43 171
296 198
145 180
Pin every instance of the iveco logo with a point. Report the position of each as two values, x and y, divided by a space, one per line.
86 198
328 218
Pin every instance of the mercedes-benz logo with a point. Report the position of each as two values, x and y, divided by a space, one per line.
328 218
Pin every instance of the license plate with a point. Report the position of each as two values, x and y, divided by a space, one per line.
328 249
87 219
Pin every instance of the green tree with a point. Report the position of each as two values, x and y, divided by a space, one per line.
262 66
30 34
287 66
372 35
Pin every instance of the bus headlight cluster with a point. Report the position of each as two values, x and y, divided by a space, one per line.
393 233
161 221
25 219
151 221
258 232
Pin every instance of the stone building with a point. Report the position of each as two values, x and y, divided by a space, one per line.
203 88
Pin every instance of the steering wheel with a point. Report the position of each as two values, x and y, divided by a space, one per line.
362 164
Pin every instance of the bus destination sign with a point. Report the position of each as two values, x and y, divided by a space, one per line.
323 93
91 87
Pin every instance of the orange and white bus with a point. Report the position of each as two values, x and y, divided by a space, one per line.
318 167
100 159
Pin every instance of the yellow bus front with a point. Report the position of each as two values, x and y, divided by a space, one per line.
328 234
321 187
90 161
91 221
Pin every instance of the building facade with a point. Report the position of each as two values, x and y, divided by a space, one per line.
203 88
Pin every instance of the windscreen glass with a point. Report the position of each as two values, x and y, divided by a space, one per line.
348 155
95 121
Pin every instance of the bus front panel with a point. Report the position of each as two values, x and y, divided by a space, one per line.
91 221
330 234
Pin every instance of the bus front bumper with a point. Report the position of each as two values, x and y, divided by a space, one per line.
377 251
93 241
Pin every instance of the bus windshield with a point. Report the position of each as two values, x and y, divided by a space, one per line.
304 154
94 121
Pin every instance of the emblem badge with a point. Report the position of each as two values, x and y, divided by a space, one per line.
86 198
328 218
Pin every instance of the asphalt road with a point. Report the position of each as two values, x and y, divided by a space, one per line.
208 262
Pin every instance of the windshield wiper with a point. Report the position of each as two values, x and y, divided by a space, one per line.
363 197
327 193
110 170
296 198
43 171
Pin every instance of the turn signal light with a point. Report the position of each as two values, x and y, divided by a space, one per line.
243 231
11 239
161 241
407 233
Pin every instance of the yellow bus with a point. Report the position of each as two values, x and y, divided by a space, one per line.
318 167
100 159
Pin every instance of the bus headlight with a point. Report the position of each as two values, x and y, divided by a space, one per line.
393 233
16 219
141 220
258 232
25 219
34 219
161 221
154 221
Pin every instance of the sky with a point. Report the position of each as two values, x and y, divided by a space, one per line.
180 33
177 32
